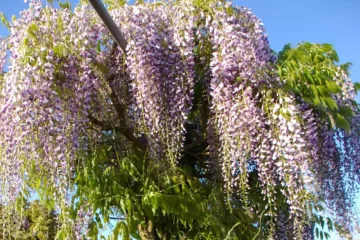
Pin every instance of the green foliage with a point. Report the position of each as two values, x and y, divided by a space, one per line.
4 20
311 72
65 5
115 3
38 223
320 232
176 204
33 28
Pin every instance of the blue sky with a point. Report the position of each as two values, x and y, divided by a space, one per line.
317 21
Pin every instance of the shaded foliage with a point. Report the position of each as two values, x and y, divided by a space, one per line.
32 221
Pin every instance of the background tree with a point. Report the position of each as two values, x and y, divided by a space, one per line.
197 131
31 221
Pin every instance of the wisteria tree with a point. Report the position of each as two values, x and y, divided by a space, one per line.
198 130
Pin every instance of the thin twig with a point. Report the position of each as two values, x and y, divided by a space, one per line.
103 125
194 145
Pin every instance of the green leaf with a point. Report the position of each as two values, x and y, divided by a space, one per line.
60 234
4 20
26 41
314 90
357 86
65 5
346 111
323 91
322 222
329 224
330 103
333 56
333 87
341 122
59 50
60 26
136 236
346 67
101 67
33 28
98 47
326 47
317 232
309 77
316 219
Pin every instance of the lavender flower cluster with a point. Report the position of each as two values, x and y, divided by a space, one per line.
160 62
46 95
2 55
286 139
240 64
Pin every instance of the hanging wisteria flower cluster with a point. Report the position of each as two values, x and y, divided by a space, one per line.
46 95
67 78
240 60
161 65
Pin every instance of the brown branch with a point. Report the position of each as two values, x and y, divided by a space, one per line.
116 218
194 145
204 111
124 129
153 231
103 125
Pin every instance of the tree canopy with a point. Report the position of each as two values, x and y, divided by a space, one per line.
30 221
197 131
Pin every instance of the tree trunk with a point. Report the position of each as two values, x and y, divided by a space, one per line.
149 232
